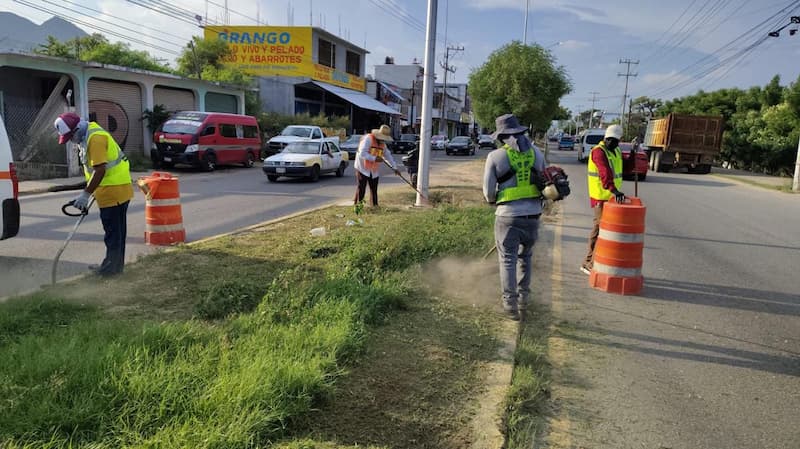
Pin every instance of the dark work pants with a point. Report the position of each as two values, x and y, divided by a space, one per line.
115 225
363 180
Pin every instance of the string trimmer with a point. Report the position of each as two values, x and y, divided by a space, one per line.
405 179
81 214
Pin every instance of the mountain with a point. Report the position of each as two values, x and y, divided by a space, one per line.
19 33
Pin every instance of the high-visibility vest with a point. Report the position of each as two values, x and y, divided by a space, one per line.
376 148
522 166
596 190
118 170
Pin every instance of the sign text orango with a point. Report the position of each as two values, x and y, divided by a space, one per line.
283 51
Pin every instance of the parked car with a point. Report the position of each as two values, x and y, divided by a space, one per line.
439 142
566 143
630 165
486 141
9 187
589 139
460 145
206 140
307 159
351 145
406 143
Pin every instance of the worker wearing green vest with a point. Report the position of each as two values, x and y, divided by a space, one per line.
108 178
509 181
605 180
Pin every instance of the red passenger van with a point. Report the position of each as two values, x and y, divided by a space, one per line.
206 140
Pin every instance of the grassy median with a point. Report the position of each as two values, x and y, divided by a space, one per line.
266 338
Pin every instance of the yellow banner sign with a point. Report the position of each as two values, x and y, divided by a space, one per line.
282 51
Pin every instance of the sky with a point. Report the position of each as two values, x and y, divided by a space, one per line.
681 46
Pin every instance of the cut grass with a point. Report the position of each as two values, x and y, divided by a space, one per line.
234 342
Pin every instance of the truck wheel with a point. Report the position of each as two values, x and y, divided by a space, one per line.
340 170
249 160
652 158
314 177
272 178
704 169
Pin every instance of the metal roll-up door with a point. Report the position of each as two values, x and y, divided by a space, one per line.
173 99
117 107
221 103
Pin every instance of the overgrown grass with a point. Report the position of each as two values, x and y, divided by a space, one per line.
530 386
220 345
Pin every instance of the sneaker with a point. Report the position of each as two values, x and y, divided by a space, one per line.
586 270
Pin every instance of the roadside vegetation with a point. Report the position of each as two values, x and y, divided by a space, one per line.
265 338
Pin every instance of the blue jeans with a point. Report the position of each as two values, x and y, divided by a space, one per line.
115 225
515 237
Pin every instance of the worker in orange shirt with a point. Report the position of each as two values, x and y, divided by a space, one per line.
372 151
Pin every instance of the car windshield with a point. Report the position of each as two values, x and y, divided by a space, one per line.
181 126
437 137
460 139
593 139
486 137
355 138
296 131
408 137
302 148
566 139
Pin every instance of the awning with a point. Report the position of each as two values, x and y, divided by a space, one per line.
359 99
391 90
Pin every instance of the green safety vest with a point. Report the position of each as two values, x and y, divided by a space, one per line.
596 190
117 168
522 166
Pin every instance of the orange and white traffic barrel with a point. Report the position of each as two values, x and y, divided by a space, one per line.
617 263
163 216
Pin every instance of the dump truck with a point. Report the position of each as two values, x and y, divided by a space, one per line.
677 140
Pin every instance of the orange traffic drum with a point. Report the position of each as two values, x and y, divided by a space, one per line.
617 266
163 216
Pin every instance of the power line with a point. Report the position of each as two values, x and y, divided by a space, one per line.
123 20
95 27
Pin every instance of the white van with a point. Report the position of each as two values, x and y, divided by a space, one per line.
589 139
9 187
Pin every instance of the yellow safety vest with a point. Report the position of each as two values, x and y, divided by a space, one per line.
596 190
522 165
118 170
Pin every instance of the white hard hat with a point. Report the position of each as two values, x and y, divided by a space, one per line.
614 131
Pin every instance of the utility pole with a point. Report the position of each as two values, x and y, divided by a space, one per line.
447 68
627 76
593 100
579 122
525 32
427 104
796 180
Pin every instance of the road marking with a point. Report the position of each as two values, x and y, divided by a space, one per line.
559 425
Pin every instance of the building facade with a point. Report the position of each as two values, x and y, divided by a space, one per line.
35 89
305 70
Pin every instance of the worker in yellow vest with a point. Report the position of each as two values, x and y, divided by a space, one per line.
108 178
605 180
510 182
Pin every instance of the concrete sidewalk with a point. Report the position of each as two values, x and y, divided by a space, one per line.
758 179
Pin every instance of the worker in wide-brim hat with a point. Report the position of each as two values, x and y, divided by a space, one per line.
509 183
108 179
372 152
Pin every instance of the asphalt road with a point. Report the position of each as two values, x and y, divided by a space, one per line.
708 354
212 203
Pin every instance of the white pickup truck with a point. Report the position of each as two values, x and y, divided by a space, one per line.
9 188
293 133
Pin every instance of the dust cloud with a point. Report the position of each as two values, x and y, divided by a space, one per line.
469 281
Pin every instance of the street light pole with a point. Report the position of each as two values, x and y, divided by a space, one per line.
525 32
796 180
427 104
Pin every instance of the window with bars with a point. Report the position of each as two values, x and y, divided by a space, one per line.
353 63
327 53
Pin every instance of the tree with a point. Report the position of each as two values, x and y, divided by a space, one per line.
519 79
205 59
97 48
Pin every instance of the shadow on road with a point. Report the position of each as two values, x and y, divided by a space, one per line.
762 301
689 180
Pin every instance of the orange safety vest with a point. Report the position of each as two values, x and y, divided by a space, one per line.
376 148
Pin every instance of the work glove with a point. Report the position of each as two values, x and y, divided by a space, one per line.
81 201
619 196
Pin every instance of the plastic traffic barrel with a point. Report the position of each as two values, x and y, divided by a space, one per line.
617 265
163 217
